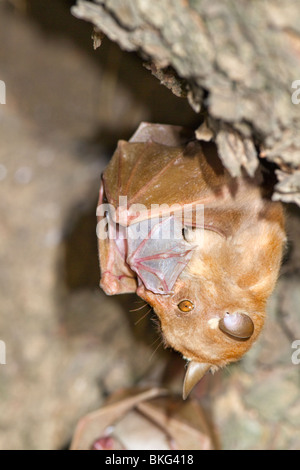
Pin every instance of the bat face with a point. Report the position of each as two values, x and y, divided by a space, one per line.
192 325
209 284
218 306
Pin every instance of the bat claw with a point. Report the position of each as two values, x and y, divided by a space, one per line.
195 372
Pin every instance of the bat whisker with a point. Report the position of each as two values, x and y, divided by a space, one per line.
139 308
140 319
156 349
155 341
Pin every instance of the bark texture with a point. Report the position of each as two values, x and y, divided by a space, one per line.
234 60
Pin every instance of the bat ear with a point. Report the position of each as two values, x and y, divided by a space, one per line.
238 325
194 373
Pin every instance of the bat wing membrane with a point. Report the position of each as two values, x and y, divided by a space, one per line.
149 180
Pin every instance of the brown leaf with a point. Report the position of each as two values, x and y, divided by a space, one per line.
144 419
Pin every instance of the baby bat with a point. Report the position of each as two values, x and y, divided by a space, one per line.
209 279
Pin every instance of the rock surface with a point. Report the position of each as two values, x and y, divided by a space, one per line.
237 61
67 344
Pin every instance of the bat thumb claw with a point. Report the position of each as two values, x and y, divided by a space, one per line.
194 373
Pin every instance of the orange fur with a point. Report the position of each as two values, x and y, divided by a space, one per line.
235 274
236 267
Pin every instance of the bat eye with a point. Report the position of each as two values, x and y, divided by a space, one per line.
238 325
185 306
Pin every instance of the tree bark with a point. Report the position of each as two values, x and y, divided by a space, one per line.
234 60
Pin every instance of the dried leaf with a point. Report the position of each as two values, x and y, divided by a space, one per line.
150 419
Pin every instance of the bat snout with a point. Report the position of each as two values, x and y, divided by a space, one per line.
237 325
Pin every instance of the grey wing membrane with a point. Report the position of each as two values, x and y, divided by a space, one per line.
158 252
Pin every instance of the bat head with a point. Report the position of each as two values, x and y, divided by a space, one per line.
207 329
217 309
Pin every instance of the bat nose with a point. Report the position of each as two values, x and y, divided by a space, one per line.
238 325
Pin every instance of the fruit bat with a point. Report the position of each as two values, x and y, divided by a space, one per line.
207 276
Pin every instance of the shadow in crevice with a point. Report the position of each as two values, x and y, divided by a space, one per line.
81 266
148 98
